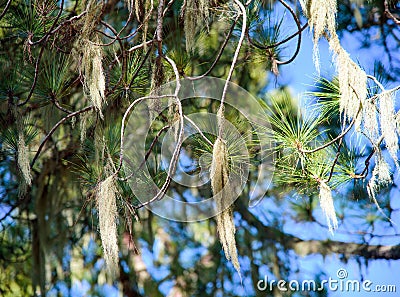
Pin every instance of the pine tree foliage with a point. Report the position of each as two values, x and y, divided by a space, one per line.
353 90
73 73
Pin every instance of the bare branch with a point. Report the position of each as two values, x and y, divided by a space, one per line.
175 155
325 145
234 60
198 130
221 50
5 9
299 29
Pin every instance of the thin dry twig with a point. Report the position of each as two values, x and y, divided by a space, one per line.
234 60
71 115
389 14
5 9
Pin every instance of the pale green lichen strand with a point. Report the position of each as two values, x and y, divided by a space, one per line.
23 160
388 123
219 174
327 206
107 210
196 13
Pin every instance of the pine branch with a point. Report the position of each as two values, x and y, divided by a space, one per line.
320 247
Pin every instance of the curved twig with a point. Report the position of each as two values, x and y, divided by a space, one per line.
296 19
146 156
198 130
57 104
221 50
235 57
276 43
175 155
55 128
329 142
117 37
335 160
127 112
35 77
376 81
389 14
45 38
5 9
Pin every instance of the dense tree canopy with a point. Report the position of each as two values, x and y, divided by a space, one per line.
85 207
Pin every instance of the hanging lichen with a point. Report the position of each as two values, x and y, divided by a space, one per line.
157 79
353 87
196 13
380 174
380 177
388 123
83 125
23 159
321 15
327 206
352 79
22 154
132 6
91 56
94 79
106 198
370 119
219 174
